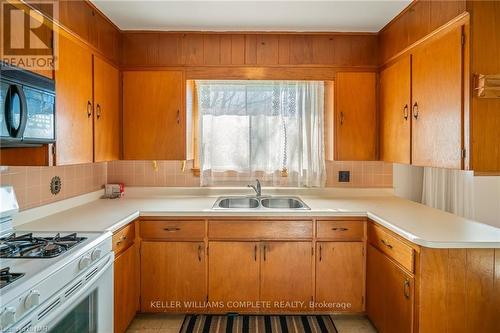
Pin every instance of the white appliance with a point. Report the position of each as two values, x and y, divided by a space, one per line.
69 291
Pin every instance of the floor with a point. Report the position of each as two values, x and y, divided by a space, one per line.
159 323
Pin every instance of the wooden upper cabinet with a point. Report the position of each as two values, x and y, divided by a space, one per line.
395 115
437 107
74 103
355 116
154 115
107 111
227 284
172 272
286 273
340 275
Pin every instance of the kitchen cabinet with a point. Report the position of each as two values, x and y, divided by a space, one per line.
355 116
286 274
426 130
173 276
395 115
87 106
437 103
234 271
154 122
390 294
74 112
340 276
126 277
106 111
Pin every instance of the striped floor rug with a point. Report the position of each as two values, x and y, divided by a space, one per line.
257 324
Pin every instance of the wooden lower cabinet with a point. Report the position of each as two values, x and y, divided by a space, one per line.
126 287
389 293
340 276
234 271
286 275
173 276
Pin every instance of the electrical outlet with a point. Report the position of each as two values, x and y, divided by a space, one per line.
344 176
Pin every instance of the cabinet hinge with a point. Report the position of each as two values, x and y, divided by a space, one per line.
463 39
463 153
312 251
362 299
206 298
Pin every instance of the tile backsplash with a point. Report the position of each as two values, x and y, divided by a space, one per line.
32 184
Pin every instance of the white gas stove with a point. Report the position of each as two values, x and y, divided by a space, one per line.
53 282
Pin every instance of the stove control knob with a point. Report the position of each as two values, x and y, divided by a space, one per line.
96 254
7 317
32 299
84 262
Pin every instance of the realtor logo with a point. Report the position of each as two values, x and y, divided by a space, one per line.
28 36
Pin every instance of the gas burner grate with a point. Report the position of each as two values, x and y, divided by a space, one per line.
30 246
6 277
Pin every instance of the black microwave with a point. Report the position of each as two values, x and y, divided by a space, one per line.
27 114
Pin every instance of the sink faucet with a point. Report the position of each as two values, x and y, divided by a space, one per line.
257 189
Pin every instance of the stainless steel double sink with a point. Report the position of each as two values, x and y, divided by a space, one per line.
264 202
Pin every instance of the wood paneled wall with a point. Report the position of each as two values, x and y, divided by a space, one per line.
238 49
419 19
485 59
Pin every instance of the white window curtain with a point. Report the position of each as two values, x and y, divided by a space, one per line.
271 130
449 190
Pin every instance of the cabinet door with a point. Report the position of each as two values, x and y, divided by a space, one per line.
340 275
355 116
399 299
234 270
395 117
286 275
375 289
389 294
153 115
437 103
173 276
126 286
73 103
107 111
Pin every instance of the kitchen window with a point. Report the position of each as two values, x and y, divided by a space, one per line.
271 130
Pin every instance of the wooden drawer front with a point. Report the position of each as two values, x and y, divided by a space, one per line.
341 230
246 229
123 238
391 246
173 229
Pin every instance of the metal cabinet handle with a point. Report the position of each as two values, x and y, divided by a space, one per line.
122 238
172 229
199 252
98 111
178 117
405 112
406 288
265 250
340 229
415 110
341 118
320 253
386 243
255 252
89 109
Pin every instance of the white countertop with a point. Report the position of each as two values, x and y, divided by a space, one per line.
419 224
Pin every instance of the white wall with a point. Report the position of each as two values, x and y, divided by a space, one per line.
408 183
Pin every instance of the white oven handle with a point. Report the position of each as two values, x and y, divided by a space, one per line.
62 305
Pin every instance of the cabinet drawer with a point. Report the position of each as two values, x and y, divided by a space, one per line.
341 230
391 246
173 229
258 229
123 238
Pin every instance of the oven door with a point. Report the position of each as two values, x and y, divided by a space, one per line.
89 310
